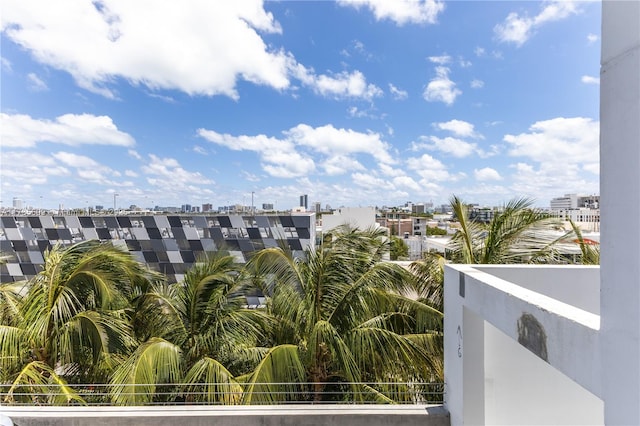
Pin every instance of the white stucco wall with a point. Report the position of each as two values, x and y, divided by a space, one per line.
620 200
481 326
522 389
575 285
360 217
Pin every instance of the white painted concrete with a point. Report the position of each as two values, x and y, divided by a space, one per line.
620 200
275 415
360 217
521 388
588 370
580 285
481 328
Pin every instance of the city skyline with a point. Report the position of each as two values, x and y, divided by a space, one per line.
351 103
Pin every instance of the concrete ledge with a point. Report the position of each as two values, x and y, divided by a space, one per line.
259 415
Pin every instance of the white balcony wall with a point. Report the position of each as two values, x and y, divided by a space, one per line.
490 323
522 389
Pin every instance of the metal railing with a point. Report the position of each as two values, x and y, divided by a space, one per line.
222 394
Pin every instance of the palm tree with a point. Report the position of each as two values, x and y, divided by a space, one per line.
518 233
589 249
197 332
340 320
68 323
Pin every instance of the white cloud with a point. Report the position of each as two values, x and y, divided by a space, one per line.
130 173
341 164
546 181
486 174
592 38
355 112
6 64
27 167
88 169
558 143
452 146
459 128
85 129
134 154
464 63
441 88
340 85
200 150
479 51
477 84
518 29
75 160
159 45
587 79
279 157
203 49
406 182
428 168
401 11
292 156
398 94
167 173
331 141
440 60
388 170
368 181
250 176
36 84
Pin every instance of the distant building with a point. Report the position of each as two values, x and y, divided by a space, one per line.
17 203
574 201
165 243
304 201
186 208
418 208
317 207
207 208
357 217
267 206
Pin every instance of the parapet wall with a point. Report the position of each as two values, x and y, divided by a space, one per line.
301 415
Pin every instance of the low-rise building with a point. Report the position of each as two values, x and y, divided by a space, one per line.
168 244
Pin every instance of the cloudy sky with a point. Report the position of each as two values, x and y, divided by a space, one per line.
354 103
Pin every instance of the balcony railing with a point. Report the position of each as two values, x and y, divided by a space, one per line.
221 394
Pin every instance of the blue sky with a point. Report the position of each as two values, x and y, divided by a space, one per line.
353 103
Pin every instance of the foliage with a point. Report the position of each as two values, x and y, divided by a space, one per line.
337 318
193 331
398 248
68 322
436 231
589 252
517 233
341 316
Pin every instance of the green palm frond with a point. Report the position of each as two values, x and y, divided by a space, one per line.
382 354
277 378
100 333
13 350
590 253
37 383
428 279
468 239
326 346
11 296
209 381
136 381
